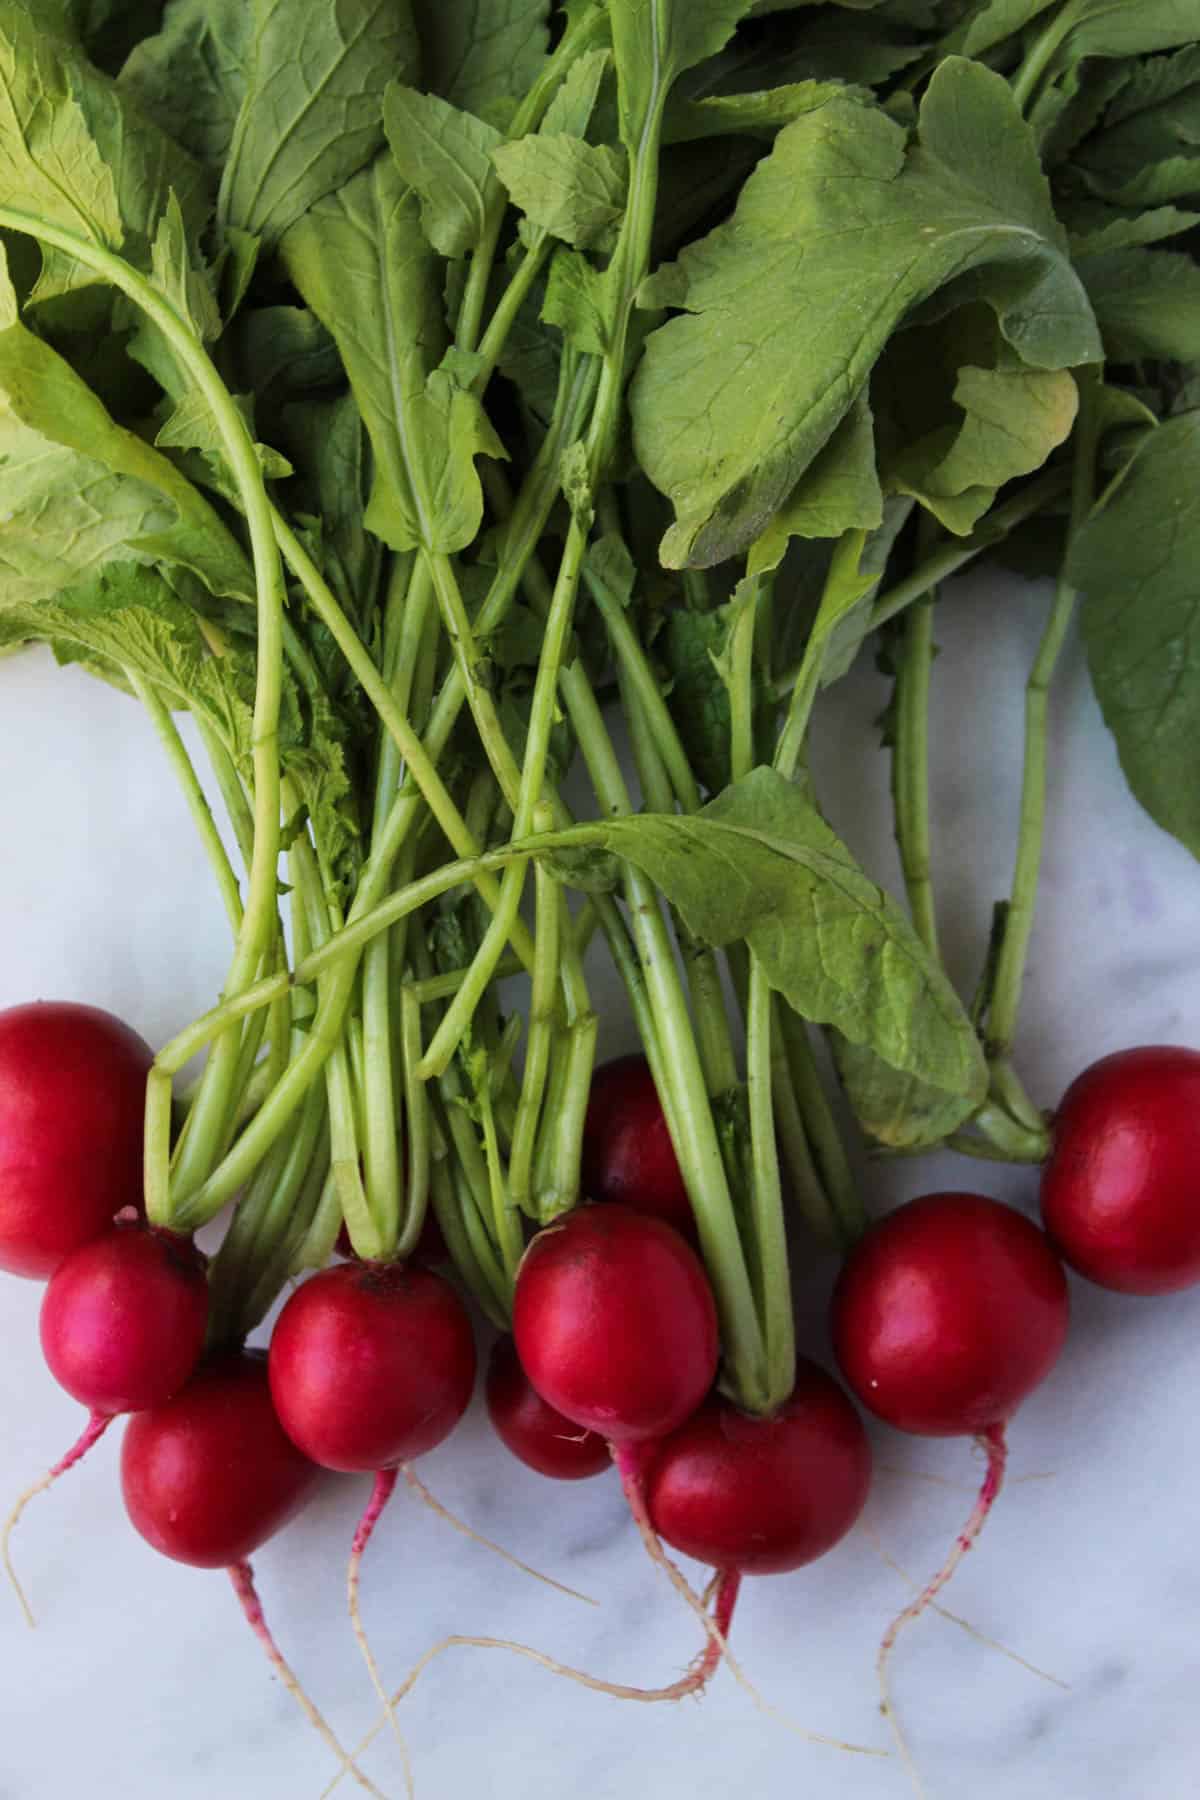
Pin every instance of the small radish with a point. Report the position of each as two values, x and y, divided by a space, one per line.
122 1327
1120 1190
530 1427
615 1323
209 1476
370 1366
946 1315
762 1496
628 1156
72 1096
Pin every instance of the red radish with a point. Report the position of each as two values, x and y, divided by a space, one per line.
628 1156
1121 1187
371 1365
122 1327
211 1474
763 1495
123 1319
530 1427
615 1323
946 1315
72 1095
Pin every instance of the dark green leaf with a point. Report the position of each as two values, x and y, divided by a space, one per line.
1135 561
482 54
1147 303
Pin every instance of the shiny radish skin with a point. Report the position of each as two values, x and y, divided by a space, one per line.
628 1157
72 1099
211 1475
124 1317
1120 1192
615 1323
532 1429
763 1496
948 1313
371 1365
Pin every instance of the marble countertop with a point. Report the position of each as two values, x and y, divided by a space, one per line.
141 1683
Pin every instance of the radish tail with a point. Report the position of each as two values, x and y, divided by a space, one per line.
381 1493
242 1577
443 1512
994 1443
97 1425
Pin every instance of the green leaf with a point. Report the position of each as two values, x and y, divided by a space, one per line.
1147 303
1135 562
1148 150
1116 28
483 54
192 76
1096 228
80 489
325 441
991 24
897 1109
366 269
760 113
50 164
445 155
654 41
569 189
838 492
961 415
571 109
575 302
310 113
846 229
759 865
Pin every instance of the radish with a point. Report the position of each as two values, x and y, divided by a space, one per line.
122 1327
615 1324
1120 1190
628 1155
72 1095
946 1315
209 1476
371 1365
532 1429
762 1496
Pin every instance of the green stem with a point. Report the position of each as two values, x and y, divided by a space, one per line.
1039 58
557 1184
194 794
209 1114
766 1199
543 1015
910 769
806 1188
491 345
837 1177
1014 948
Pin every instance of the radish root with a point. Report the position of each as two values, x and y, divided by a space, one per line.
97 1425
995 1445
443 1512
381 1492
242 1576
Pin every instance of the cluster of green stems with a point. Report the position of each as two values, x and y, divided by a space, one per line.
352 1077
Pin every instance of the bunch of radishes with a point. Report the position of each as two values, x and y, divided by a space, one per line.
947 1314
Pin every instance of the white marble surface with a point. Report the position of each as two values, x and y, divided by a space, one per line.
141 1682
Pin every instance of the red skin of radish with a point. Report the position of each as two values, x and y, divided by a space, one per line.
763 1496
371 1365
948 1313
615 1323
123 1319
530 1427
628 1156
210 1475
72 1096
1121 1188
